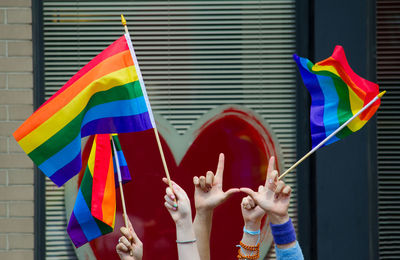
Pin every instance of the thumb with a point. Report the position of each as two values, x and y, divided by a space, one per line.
230 192
249 192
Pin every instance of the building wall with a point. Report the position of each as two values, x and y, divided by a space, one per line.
16 104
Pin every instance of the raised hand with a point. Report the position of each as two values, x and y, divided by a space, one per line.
208 192
129 246
182 215
252 213
180 211
273 197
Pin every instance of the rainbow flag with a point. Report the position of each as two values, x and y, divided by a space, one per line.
94 211
337 93
106 96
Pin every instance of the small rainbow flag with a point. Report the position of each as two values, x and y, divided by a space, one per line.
337 93
106 96
94 211
123 166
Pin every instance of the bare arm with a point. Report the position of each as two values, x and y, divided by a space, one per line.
182 216
207 196
252 216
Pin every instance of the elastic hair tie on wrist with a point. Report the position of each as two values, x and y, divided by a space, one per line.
186 242
254 233
283 233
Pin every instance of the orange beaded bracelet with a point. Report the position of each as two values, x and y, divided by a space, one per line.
250 257
250 248
255 248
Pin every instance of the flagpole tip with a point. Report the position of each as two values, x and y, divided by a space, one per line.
123 21
381 94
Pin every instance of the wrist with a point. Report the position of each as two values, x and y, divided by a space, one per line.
204 212
278 219
252 225
184 223
284 234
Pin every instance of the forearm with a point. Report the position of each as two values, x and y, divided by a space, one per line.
186 241
250 238
202 229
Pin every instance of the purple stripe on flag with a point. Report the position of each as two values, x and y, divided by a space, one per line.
125 175
124 124
75 232
310 80
67 172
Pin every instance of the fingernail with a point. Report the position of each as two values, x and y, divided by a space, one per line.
175 205
270 181
175 209
173 197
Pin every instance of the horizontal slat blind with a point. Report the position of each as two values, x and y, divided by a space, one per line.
194 56
388 75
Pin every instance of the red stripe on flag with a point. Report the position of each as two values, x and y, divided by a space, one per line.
100 172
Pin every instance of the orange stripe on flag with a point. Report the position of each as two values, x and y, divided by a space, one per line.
114 63
109 199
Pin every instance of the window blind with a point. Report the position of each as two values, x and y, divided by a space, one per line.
388 76
194 56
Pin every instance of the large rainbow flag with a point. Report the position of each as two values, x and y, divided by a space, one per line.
106 96
337 93
94 211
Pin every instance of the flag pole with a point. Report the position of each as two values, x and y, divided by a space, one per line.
121 190
331 135
120 183
123 21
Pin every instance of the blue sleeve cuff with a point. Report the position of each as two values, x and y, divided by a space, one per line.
293 253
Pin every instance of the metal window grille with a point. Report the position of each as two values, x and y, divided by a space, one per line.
388 76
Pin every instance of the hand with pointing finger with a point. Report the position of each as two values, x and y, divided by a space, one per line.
208 192
129 246
273 197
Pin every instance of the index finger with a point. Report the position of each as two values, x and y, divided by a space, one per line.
220 168
271 168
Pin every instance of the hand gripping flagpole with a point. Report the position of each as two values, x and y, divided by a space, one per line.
332 135
123 21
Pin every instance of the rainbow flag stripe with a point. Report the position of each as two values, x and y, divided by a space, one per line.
337 93
94 211
123 166
106 96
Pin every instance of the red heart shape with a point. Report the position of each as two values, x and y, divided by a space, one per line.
247 146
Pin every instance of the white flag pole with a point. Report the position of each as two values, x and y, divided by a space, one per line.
332 135
149 108
121 190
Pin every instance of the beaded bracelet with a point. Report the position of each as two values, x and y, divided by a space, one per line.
241 256
186 242
255 248
250 248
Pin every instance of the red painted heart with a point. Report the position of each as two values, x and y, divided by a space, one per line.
247 145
